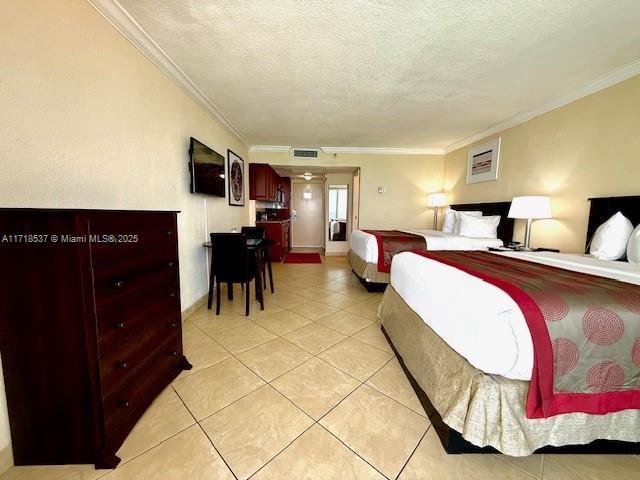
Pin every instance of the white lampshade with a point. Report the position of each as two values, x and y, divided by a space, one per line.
534 207
435 200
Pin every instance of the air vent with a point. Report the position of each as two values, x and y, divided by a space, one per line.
305 153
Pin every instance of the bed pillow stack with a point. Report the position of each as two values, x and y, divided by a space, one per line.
452 220
633 247
479 227
611 240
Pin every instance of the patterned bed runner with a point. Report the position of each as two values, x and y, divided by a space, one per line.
391 242
585 331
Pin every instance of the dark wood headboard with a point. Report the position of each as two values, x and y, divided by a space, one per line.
505 228
604 207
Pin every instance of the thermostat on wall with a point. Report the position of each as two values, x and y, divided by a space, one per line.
382 189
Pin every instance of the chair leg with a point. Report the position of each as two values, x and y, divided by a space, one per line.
210 298
270 273
230 291
264 278
247 299
218 299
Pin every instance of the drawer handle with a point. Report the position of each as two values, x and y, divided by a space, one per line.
120 325
124 403
170 264
173 353
168 232
172 325
118 283
123 365
172 294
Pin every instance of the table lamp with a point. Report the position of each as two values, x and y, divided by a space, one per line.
435 201
530 208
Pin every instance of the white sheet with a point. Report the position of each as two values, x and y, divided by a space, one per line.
478 320
365 245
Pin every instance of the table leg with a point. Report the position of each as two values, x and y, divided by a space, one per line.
268 258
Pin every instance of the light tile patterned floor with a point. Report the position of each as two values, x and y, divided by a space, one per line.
306 389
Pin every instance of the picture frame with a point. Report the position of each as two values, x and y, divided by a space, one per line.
235 174
483 161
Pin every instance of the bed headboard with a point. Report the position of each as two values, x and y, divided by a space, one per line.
505 228
604 207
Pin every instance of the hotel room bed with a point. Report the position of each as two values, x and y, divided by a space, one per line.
363 254
471 361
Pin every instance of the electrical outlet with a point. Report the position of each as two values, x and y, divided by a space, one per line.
382 189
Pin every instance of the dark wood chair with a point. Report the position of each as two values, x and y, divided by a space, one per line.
261 233
232 262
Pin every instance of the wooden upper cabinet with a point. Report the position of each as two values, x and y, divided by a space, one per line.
285 182
263 182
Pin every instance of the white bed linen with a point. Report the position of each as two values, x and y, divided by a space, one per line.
478 320
365 245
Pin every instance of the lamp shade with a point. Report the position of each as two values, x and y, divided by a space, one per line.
436 199
534 207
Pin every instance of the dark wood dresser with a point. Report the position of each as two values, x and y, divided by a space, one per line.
90 327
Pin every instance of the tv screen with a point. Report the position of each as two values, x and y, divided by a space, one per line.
207 169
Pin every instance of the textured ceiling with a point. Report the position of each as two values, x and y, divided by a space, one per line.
387 73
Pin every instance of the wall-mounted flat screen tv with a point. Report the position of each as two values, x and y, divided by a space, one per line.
207 169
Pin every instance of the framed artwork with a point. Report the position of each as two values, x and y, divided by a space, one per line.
482 163
235 169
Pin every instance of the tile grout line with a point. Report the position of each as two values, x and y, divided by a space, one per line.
205 434
413 451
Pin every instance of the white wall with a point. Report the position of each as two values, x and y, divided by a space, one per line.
87 121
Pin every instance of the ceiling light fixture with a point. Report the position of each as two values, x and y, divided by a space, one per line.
307 176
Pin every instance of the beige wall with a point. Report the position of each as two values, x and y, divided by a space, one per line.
87 121
408 177
588 148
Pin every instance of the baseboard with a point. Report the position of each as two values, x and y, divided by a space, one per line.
201 302
6 459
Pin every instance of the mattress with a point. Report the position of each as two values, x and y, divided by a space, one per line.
479 321
365 245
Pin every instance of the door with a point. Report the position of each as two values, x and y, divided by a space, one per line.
308 205
355 201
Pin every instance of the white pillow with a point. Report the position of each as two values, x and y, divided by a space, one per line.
451 219
479 227
611 238
633 247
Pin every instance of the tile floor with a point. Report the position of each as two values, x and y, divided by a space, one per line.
306 389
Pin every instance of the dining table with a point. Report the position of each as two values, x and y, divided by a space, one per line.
259 247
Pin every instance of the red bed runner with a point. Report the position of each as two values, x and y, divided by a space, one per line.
391 242
585 331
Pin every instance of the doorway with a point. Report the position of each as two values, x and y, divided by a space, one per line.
307 202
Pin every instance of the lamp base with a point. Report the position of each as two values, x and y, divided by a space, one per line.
524 249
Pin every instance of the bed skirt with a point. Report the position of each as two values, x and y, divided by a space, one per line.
366 271
488 410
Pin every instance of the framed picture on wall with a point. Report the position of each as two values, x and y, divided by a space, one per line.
235 169
482 163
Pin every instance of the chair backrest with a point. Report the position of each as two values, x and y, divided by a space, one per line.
255 232
230 257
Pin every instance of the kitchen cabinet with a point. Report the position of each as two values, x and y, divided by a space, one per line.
280 232
264 182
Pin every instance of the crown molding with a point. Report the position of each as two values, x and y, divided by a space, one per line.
270 148
601 83
139 38
383 151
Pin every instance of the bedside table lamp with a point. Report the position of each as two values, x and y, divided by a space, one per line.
435 201
530 208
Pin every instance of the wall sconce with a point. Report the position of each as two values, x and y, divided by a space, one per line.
307 195
435 201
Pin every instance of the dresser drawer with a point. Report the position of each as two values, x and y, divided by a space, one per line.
116 237
125 280
124 406
124 319
131 356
